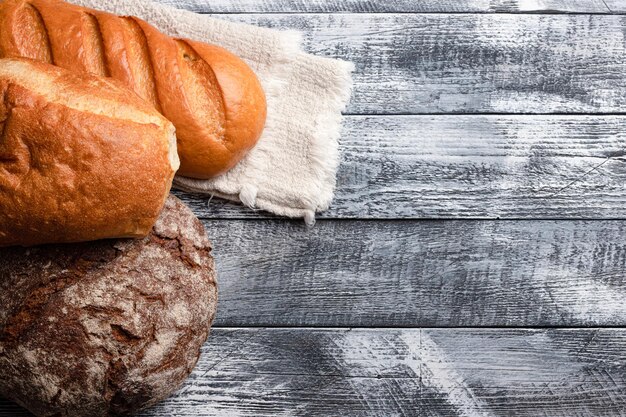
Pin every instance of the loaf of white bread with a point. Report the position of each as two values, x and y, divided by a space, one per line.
87 151
212 97
81 157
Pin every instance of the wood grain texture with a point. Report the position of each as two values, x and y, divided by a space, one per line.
494 63
616 6
494 372
420 273
412 273
403 372
259 372
396 6
472 166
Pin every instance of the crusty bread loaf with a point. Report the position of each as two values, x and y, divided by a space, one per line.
81 157
213 98
103 328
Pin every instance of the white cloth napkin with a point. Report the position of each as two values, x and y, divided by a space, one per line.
292 170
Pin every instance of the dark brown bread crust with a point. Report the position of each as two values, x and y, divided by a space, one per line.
108 327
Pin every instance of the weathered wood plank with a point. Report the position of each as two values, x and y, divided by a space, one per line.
557 373
502 63
472 166
421 273
258 372
616 6
397 6
375 372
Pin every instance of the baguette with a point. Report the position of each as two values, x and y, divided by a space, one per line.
81 157
212 97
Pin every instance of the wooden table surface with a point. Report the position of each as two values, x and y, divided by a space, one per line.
473 262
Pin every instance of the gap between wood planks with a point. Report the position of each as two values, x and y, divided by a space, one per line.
485 113
266 217
424 327
401 6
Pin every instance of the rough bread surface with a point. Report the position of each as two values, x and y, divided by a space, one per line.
108 327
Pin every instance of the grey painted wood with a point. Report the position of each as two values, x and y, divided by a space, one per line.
493 372
616 6
403 372
408 273
420 273
472 166
396 6
259 372
377 373
434 63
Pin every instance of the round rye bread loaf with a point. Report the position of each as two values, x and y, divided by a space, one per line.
108 327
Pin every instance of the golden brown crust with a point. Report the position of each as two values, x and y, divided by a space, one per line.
80 157
213 98
242 95
128 56
14 41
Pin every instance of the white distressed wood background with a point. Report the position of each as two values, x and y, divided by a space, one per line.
474 261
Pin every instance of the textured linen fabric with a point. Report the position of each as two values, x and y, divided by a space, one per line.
292 170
